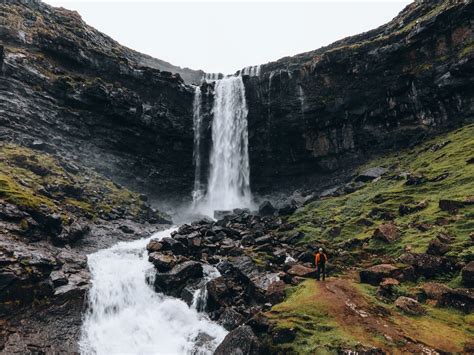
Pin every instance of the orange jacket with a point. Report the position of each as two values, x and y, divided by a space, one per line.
318 258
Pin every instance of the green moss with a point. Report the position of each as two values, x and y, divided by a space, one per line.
447 154
31 179
316 329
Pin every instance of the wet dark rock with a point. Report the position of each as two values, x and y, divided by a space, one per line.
154 245
173 245
230 319
162 262
182 275
266 209
287 209
126 229
240 341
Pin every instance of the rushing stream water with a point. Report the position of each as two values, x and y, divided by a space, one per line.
127 316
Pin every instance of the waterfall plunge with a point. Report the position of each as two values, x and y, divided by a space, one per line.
228 184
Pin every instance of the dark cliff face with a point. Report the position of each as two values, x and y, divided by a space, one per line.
67 88
329 109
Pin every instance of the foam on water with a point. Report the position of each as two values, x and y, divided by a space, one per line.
126 315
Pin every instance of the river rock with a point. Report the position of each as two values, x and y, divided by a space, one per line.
240 341
266 209
182 275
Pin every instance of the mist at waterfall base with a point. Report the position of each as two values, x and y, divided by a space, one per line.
126 315
228 183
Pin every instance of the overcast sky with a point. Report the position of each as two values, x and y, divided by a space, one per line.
224 36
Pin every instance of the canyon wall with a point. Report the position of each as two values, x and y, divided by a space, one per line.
69 89
386 89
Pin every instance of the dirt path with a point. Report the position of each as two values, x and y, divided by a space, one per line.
379 325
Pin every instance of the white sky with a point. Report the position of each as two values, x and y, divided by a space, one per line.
225 36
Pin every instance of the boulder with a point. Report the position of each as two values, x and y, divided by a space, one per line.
437 247
173 282
459 298
371 174
404 209
302 271
375 274
240 341
450 205
276 292
434 291
162 262
386 288
287 209
467 274
425 264
387 232
173 245
266 209
154 245
283 335
230 318
409 306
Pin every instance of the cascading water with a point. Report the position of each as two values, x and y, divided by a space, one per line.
126 316
197 126
229 176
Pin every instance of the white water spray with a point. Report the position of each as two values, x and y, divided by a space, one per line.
197 126
126 316
229 176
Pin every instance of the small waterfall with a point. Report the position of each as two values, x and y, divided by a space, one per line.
251 71
301 98
197 126
200 295
126 316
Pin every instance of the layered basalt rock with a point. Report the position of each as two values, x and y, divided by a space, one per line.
329 109
78 93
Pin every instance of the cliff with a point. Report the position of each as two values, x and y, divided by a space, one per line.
329 109
67 88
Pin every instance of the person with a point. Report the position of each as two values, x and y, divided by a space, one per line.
320 261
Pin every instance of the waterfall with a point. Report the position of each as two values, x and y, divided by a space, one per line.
197 126
229 176
126 316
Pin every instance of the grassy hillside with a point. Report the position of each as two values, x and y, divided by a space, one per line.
442 168
344 314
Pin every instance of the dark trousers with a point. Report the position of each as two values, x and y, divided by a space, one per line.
321 270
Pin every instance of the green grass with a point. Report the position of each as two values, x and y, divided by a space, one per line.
317 219
316 329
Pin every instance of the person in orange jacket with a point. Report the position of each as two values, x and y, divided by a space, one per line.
320 259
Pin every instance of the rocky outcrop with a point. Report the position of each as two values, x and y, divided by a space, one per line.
68 89
331 108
